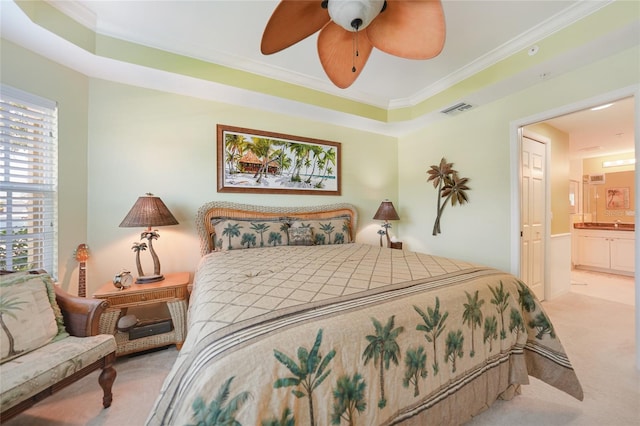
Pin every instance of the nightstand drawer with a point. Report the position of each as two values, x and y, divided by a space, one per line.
158 295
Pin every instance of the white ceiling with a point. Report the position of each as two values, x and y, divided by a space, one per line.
601 132
229 33
479 34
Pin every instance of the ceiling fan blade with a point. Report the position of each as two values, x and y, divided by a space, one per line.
292 21
412 29
336 49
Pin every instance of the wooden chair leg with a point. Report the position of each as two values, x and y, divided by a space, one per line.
106 379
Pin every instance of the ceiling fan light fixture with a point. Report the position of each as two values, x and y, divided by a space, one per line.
354 15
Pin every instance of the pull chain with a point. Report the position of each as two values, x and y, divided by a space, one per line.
355 50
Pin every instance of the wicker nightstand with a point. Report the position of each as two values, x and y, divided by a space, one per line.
172 291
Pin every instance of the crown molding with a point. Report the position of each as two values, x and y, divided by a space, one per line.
575 12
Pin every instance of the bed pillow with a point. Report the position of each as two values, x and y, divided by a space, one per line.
300 236
30 313
335 230
234 234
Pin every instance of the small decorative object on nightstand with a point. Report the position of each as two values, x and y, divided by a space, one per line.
122 280
396 245
148 211
172 290
386 212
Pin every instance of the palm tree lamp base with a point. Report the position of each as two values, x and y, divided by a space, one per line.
149 279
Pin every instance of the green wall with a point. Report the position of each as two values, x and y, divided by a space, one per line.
27 71
481 143
148 141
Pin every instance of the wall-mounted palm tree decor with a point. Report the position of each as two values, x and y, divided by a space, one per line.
449 185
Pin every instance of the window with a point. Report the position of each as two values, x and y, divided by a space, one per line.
28 181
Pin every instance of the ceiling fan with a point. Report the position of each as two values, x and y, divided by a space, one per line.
350 29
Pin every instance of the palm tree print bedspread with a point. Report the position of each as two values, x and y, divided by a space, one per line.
355 335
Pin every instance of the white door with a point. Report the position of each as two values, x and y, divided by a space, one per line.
533 218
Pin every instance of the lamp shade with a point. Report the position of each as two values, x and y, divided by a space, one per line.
386 211
148 211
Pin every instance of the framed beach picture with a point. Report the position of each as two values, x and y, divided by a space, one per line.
264 162
617 198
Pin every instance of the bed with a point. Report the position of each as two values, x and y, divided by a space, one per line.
293 322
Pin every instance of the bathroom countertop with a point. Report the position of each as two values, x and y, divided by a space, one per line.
606 226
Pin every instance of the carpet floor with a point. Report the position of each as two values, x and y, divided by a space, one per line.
597 333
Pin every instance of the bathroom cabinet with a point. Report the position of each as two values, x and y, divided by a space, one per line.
605 250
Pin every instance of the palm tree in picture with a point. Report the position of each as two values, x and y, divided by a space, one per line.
383 349
542 324
261 147
328 159
501 300
415 362
612 194
308 374
279 155
248 240
525 297
137 248
286 419
516 323
433 326
232 230
275 238
490 331
316 150
327 228
235 146
454 348
300 151
348 399
260 228
8 306
221 411
472 315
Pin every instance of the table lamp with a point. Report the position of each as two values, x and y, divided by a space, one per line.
148 211
386 212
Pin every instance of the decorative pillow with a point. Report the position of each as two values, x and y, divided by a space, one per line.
300 237
233 234
31 317
333 230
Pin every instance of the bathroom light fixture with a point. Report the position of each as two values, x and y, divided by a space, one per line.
616 163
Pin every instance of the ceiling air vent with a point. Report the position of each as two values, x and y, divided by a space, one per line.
457 108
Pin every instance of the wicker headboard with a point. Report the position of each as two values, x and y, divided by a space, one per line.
241 211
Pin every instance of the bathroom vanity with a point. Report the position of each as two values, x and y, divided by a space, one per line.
604 247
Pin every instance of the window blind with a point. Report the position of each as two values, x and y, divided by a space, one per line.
28 181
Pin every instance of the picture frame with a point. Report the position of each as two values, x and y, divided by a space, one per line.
255 161
617 198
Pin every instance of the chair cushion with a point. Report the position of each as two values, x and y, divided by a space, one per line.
31 373
31 317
